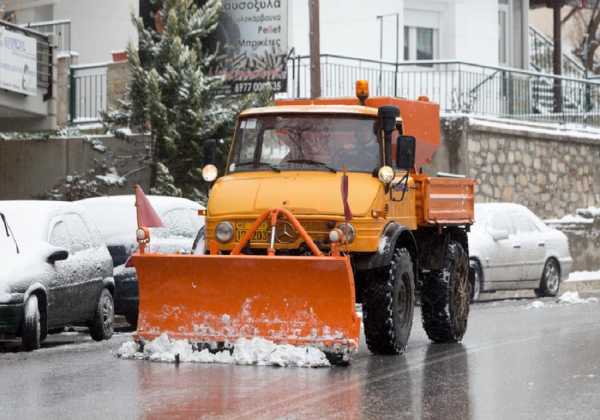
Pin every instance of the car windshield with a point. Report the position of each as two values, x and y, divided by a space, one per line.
314 142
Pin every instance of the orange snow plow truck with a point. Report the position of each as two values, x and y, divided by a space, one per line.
323 204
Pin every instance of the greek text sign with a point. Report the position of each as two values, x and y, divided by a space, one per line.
18 62
257 50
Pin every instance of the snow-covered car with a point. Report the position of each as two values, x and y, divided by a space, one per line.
115 216
511 248
56 271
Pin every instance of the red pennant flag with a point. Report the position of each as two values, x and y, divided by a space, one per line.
146 215
347 211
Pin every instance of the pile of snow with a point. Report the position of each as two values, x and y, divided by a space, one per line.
573 298
570 219
255 351
112 178
584 275
536 304
590 212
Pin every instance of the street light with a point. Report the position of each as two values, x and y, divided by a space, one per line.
380 18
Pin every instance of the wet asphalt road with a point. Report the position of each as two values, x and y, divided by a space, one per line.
514 362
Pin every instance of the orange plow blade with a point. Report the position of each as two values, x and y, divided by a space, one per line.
216 299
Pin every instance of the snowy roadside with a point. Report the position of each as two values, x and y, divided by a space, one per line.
567 298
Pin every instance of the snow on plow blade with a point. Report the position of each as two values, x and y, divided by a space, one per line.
216 299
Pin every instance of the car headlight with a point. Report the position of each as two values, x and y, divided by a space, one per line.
224 232
349 231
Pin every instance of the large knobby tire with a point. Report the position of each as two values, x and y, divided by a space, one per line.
475 278
31 331
445 297
101 327
388 305
550 282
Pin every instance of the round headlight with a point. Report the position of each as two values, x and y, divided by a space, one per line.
349 231
210 173
335 235
386 174
224 232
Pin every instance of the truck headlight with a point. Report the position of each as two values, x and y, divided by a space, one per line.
349 231
224 232
386 174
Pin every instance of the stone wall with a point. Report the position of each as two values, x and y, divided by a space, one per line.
550 170
65 168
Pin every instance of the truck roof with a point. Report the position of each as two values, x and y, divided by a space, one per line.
313 109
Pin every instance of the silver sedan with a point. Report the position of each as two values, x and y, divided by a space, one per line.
511 248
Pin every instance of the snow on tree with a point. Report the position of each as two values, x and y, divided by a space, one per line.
175 94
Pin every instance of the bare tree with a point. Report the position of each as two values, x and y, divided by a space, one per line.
587 34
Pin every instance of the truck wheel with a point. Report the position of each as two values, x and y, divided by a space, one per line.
101 327
445 297
475 279
31 334
388 305
550 282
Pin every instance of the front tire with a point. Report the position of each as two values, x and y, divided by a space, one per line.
388 305
101 327
550 282
445 297
31 333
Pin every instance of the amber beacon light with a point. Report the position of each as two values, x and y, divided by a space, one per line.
362 90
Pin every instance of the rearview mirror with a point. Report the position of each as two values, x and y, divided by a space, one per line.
58 255
405 152
498 234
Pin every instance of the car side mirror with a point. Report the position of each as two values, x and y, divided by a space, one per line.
58 255
498 234
405 152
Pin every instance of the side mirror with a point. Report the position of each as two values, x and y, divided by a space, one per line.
209 152
498 234
387 116
405 152
58 255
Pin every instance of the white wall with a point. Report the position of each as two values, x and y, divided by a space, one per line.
467 29
98 27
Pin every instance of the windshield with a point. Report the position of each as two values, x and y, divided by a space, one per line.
315 142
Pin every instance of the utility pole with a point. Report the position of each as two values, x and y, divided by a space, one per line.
557 58
315 49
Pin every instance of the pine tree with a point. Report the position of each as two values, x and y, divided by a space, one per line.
174 93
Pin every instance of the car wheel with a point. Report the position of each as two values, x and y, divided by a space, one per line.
101 327
550 282
31 333
475 279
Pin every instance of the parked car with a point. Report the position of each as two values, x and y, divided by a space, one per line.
512 248
56 271
116 219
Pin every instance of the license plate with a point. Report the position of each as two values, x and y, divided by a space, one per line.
242 228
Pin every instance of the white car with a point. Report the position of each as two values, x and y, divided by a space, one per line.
511 248
115 216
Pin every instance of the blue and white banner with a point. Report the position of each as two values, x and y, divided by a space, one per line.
18 62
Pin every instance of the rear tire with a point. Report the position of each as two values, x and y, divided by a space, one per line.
475 278
31 333
445 297
388 306
550 282
101 327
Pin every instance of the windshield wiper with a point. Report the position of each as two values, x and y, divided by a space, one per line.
312 162
269 165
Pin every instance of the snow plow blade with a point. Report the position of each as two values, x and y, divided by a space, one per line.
212 300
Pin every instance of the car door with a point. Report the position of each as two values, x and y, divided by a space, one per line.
85 275
503 262
58 285
532 244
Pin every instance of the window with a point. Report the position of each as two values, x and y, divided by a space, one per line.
79 233
420 43
523 224
500 221
503 32
179 222
60 236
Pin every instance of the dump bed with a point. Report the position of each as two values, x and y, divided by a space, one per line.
444 201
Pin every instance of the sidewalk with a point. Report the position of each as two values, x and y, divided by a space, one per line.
582 282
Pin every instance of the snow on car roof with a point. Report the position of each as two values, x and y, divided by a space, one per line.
115 215
29 219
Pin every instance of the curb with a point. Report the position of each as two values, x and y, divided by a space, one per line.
582 286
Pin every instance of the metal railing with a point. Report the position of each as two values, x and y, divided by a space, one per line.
457 86
541 50
44 57
60 29
88 93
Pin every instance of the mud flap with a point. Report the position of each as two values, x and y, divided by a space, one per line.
216 299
